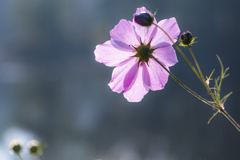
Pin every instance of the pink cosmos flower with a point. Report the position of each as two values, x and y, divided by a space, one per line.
128 51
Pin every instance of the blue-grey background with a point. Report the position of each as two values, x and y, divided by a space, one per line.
53 90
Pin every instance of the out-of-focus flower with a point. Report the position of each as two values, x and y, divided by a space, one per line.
186 39
15 147
35 148
128 50
143 19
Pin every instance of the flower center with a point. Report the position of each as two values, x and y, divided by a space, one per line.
143 52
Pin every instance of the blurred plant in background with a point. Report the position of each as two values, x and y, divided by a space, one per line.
15 148
34 148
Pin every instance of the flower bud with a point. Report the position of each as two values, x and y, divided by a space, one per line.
15 147
35 147
143 19
186 39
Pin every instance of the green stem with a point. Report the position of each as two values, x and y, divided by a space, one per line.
202 77
224 112
19 156
195 60
181 84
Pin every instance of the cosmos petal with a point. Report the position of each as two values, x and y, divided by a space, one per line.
137 90
129 78
124 32
146 76
171 27
119 74
110 55
166 54
158 76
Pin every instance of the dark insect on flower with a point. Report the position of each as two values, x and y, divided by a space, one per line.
143 19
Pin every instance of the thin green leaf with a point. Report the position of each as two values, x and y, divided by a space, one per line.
222 68
211 73
213 116
226 75
225 98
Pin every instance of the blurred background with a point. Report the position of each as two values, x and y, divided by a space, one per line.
53 90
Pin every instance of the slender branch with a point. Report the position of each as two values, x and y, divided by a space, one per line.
19 156
181 84
195 60
202 77
224 112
